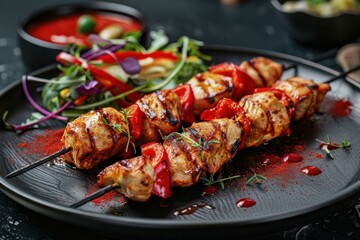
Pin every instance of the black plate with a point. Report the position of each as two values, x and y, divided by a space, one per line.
287 199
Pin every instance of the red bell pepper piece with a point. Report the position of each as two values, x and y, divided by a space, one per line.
242 82
281 96
135 117
115 86
160 162
137 55
227 108
187 99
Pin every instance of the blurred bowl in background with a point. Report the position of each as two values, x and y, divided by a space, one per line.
320 31
44 33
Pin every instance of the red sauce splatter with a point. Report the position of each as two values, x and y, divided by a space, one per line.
341 108
245 202
269 159
318 155
209 190
311 170
193 208
292 158
46 143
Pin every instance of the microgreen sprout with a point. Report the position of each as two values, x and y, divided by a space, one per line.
328 146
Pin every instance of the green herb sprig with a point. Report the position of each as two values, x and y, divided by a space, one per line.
125 113
200 144
257 179
211 180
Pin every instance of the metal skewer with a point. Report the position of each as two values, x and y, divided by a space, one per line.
94 195
37 163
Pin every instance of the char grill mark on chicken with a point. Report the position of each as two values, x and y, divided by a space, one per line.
208 89
268 116
94 137
205 146
306 95
264 72
134 176
162 111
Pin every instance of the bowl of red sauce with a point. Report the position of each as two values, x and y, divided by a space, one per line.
46 32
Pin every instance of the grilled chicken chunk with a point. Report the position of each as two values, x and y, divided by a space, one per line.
162 111
208 89
203 146
94 137
306 95
135 178
268 116
264 72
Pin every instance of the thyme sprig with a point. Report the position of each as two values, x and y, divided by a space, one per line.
211 180
126 114
329 145
200 144
257 179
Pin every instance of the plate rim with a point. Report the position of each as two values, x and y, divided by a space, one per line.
41 206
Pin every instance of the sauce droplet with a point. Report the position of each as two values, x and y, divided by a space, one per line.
292 158
270 159
193 208
311 170
245 202
209 190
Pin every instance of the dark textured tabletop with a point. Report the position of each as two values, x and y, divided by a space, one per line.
252 23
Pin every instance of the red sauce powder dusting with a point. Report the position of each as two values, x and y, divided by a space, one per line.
341 108
105 198
46 143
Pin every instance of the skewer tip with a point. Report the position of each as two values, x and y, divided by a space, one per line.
94 195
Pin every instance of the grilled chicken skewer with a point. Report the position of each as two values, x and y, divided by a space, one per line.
218 139
95 136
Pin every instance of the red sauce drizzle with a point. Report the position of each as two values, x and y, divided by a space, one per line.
341 108
193 208
245 202
311 170
292 158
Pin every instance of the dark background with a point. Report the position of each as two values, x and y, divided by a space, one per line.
252 23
